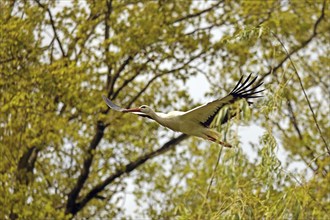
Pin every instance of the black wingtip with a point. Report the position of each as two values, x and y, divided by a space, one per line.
245 90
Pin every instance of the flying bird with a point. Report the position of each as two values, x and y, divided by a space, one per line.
197 121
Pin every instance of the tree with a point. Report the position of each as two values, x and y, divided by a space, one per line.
66 155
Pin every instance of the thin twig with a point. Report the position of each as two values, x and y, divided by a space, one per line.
52 22
214 169
199 13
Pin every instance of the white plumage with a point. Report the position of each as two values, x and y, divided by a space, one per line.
196 121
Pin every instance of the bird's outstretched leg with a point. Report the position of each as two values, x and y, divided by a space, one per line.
213 136
225 144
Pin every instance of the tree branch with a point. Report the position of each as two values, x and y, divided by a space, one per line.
127 81
162 74
127 169
73 195
107 47
294 121
53 26
111 81
83 38
304 43
26 165
71 206
197 13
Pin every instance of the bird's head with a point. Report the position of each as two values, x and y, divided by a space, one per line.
143 108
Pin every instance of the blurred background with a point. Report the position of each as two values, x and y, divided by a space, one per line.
65 155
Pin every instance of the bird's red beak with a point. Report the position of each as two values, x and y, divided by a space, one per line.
132 110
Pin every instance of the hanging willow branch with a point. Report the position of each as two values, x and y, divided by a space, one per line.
303 89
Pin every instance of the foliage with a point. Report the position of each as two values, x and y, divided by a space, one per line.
65 155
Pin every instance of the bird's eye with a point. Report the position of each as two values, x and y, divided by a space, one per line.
143 106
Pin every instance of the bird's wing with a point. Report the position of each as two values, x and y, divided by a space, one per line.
205 114
120 109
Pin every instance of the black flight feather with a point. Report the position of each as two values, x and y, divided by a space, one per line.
239 92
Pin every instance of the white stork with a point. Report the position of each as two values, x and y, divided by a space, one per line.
196 122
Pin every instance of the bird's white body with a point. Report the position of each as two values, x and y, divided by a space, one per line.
178 121
195 122
171 120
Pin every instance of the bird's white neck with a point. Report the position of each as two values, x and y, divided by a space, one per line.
155 116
